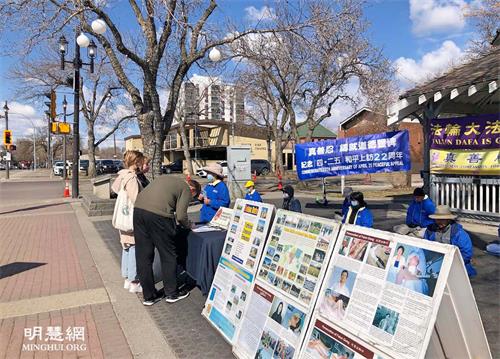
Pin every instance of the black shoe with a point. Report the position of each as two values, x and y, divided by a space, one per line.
177 296
156 299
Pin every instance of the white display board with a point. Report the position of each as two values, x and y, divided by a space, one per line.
381 297
222 218
232 284
289 277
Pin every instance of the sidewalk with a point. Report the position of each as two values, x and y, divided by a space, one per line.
53 301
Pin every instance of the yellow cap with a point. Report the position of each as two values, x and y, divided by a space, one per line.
249 184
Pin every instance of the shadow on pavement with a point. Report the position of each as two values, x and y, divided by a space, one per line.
14 268
32 208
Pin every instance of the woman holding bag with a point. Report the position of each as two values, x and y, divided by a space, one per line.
128 184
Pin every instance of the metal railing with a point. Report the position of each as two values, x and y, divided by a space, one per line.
475 195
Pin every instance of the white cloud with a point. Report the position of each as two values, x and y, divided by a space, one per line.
437 16
22 118
410 71
263 14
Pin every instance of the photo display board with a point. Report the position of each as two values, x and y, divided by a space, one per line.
380 288
288 280
232 284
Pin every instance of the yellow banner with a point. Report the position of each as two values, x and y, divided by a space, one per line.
466 162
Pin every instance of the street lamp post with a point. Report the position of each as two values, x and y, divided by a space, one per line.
65 172
81 40
7 167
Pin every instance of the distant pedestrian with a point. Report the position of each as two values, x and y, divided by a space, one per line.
358 212
215 194
417 215
252 194
127 179
290 203
141 172
447 230
159 210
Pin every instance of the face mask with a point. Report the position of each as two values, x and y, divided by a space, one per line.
285 195
210 178
412 269
249 190
354 203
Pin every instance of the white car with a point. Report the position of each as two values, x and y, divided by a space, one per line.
58 167
201 173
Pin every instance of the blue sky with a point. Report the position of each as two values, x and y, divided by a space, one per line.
421 37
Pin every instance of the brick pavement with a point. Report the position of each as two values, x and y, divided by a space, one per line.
44 256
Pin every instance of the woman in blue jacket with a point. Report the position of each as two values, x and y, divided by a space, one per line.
215 194
358 213
447 231
417 215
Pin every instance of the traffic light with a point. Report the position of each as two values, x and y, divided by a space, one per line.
51 104
7 137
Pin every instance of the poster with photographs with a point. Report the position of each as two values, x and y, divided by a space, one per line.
222 218
247 233
297 249
228 298
273 327
385 288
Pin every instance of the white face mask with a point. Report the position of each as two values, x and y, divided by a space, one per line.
412 269
354 203
285 195
210 178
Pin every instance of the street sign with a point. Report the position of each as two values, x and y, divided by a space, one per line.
64 128
7 137
53 127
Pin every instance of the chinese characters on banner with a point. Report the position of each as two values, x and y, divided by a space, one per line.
466 145
382 152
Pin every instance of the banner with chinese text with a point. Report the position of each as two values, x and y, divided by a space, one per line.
382 152
466 145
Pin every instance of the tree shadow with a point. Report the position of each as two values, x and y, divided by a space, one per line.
14 268
32 208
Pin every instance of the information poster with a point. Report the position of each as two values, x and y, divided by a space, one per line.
245 239
295 254
289 278
384 289
247 233
222 218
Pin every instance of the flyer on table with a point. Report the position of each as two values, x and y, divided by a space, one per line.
385 288
247 233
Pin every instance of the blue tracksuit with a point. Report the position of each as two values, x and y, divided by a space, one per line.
254 196
219 197
364 217
459 238
418 213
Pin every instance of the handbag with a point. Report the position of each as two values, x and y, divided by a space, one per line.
123 214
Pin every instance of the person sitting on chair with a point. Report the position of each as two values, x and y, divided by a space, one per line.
358 212
417 215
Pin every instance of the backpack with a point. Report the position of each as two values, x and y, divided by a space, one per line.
123 214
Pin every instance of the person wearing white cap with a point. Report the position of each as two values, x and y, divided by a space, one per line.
252 194
447 230
215 194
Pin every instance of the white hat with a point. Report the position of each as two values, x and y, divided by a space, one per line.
215 169
443 212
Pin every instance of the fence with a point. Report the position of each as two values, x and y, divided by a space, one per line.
469 195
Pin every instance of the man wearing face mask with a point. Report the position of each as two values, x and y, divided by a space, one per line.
290 203
358 213
447 230
157 209
252 194
215 194
417 216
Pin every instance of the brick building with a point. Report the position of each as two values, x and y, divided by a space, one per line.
366 122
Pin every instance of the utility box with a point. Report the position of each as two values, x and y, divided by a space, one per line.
238 170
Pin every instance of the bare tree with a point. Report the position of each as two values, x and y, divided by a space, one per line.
485 16
179 28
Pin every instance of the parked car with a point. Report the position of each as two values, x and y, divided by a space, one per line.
106 166
261 167
175 166
84 167
58 167
119 165
201 173
2 167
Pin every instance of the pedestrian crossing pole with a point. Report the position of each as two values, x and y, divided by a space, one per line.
7 147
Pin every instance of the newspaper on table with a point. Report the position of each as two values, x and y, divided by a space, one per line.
289 278
383 289
231 287
222 218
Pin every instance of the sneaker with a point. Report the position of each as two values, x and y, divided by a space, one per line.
126 285
177 296
135 288
150 302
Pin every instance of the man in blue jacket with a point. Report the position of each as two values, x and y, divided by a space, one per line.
252 194
215 194
447 231
417 216
358 212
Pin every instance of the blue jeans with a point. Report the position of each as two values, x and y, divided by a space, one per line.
129 268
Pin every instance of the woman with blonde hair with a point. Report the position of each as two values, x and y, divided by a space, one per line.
127 178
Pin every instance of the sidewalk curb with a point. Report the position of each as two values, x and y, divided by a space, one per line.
143 336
